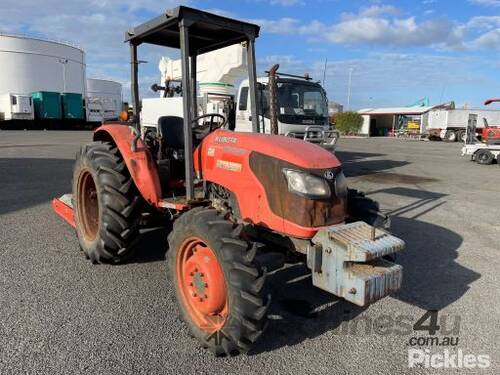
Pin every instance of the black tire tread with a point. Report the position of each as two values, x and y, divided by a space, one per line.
118 198
244 279
487 152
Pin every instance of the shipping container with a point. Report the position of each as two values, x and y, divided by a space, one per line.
72 106
47 105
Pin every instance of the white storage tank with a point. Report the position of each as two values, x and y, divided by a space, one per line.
108 93
33 64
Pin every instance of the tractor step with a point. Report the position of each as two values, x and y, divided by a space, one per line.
346 260
63 206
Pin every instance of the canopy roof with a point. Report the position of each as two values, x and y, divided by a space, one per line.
207 31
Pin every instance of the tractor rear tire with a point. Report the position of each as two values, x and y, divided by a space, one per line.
105 203
217 282
484 157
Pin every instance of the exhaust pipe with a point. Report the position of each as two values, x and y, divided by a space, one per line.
273 99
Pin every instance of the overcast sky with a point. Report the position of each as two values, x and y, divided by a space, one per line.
400 51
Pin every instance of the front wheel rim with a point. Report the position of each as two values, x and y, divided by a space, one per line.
202 286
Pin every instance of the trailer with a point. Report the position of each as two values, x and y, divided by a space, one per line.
16 107
108 94
450 125
94 111
480 152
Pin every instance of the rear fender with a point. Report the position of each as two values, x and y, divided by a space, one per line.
140 163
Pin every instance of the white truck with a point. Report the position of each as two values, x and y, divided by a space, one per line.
450 124
16 107
302 103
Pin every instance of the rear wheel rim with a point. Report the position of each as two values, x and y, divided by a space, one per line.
88 206
202 285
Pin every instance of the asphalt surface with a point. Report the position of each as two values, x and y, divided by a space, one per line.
61 314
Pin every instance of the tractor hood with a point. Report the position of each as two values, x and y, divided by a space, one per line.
251 166
294 151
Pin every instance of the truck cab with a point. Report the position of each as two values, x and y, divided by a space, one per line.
302 106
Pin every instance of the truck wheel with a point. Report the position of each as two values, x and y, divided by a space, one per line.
460 135
105 202
218 284
484 157
450 136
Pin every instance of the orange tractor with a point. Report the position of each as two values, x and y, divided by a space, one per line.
234 199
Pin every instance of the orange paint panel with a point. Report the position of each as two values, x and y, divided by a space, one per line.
236 147
140 163
64 211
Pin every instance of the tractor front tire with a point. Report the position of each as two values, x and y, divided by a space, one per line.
218 284
105 204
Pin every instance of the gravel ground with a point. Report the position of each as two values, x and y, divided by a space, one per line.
60 314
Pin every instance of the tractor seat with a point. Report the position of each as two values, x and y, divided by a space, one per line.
171 130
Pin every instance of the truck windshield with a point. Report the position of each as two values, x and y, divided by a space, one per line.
301 99
297 102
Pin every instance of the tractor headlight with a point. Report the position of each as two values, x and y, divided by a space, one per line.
340 185
306 184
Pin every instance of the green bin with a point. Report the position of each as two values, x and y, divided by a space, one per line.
72 106
47 105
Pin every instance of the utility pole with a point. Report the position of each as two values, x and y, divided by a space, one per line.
349 89
324 72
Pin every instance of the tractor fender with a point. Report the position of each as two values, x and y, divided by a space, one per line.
140 163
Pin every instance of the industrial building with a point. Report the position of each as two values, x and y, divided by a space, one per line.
440 121
34 64
380 122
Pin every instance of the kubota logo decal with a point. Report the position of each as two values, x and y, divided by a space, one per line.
329 175
222 139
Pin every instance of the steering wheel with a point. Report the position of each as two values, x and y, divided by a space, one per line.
212 125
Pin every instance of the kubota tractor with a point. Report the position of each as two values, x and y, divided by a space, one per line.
235 199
